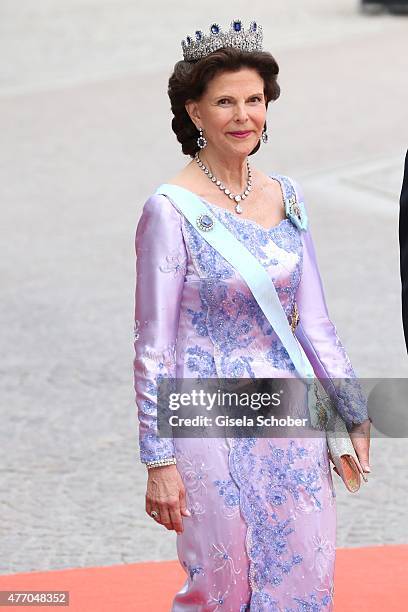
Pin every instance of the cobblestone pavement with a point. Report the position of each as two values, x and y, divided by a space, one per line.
85 138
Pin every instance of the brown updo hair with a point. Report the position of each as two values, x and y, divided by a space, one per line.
190 79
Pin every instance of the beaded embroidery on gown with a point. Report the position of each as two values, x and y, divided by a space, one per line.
262 532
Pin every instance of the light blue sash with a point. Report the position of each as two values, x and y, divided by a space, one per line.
251 270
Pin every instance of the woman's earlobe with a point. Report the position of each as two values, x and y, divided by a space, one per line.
191 110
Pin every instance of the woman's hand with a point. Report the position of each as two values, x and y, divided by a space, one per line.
166 495
360 437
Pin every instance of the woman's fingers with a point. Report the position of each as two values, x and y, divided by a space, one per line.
360 437
362 448
164 517
163 514
149 506
175 517
166 495
183 503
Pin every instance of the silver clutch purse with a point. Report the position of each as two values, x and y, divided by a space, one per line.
341 449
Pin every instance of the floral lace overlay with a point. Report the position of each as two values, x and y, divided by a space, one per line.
207 261
200 362
261 535
163 365
257 238
175 262
229 491
351 402
278 356
231 317
272 477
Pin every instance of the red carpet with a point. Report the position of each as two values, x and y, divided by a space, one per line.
371 579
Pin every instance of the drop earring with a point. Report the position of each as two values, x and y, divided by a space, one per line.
264 135
201 140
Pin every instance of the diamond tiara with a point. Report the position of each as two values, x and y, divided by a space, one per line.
200 46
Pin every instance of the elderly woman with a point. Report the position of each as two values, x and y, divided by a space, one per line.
255 516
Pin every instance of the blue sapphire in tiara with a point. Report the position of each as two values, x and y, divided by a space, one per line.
202 44
205 222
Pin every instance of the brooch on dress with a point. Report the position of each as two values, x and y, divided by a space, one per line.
296 212
205 222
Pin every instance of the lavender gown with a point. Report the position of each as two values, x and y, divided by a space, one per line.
263 527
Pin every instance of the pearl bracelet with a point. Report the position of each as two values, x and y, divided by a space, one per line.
161 462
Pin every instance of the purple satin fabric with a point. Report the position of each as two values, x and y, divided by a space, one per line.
263 525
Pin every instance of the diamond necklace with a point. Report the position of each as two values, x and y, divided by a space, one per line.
237 198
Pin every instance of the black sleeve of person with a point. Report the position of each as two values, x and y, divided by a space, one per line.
403 240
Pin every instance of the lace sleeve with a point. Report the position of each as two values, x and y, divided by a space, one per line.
319 338
160 271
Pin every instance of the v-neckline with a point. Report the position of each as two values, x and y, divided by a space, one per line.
245 219
238 217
